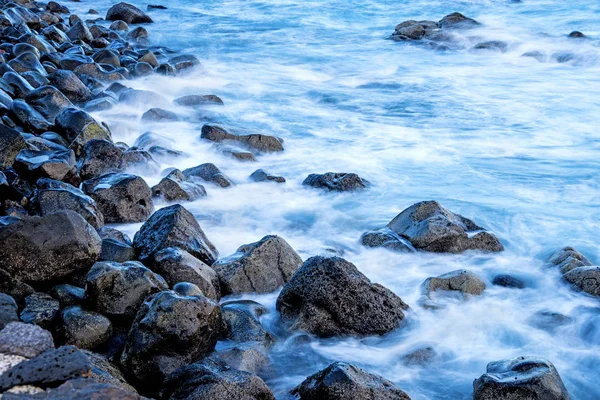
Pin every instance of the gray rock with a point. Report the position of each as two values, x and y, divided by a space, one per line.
176 186
460 282
458 21
67 295
262 176
259 267
246 357
258 142
25 340
585 279
195 100
11 143
492 45
241 318
38 249
104 371
34 164
80 31
520 378
339 182
330 297
386 238
159 115
70 85
173 226
40 309
341 381
119 25
118 290
48 101
430 227
8 310
81 388
27 62
508 281
177 265
127 13
184 62
422 356
82 328
209 173
568 259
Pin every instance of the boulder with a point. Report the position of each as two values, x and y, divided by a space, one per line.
568 259
121 197
80 31
330 297
82 328
258 142
338 182
118 290
177 265
78 127
585 279
70 85
8 310
116 246
169 332
430 227
520 378
195 100
386 238
508 281
461 283
82 388
104 371
53 164
159 115
127 13
119 25
176 186
25 340
210 173
458 21
99 157
491 45
67 295
184 62
259 267
48 101
262 176
246 357
14 287
343 381
40 309
11 144
422 356
549 320
29 117
242 322
38 249
173 226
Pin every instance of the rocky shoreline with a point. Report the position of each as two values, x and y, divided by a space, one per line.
87 312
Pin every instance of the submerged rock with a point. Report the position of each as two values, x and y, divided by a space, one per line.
242 322
262 176
209 173
461 282
388 239
176 186
508 281
194 100
577 270
339 182
258 142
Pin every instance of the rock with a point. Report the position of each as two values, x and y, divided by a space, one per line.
70 85
115 246
78 127
137 34
48 369
430 227
508 281
576 35
67 295
173 226
104 371
341 381
40 309
177 265
169 332
8 310
520 378
53 196
184 62
48 101
89 389
38 249
386 238
215 381
57 8
35 164
586 279
549 320
14 287
262 176
99 157
259 267
414 30
121 197
568 259
25 340
258 142
458 21
339 182
422 356
187 289
460 282
127 13
118 290
241 318
330 297
119 25
176 186
246 357
195 100
82 328
107 56
209 173
159 115
11 143
80 31
29 117
492 45
156 7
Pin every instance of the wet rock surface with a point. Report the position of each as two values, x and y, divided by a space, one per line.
577 270
333 181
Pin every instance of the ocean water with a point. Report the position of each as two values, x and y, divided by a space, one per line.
505 140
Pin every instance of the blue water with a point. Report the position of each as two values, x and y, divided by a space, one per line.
508 141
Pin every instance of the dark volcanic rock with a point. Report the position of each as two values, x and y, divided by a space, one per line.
330 297
25 340
34 164
84 329
48 101
11 143
105 371
177 265
387 238
508 281
194 100
568 259
520 378
248 357
458 21
78 127
342 381
128 13
121 197
176 186
216 381
48 369
429 226
68 295
169 332
262 176
37 249
259 267
70 85
242 320
461 282
115 246
40 309
258 142
209 173
87 389
339 182
586 279
8 310
99 157
118 290
173 226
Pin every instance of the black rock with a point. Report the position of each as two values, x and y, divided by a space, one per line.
35 164
242 320
339 182
330 297
48 101
173 226
70 85
184 62
262 176
82 328
156 7
508 281
68 295
11 143
29 117
576 35
99 157
105 371
54 7
458 21
115 246
386 238
14 287
25 340
40 309
8 310
209 173
128 13
79 127
176 186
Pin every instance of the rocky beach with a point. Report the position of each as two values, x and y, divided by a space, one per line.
319 200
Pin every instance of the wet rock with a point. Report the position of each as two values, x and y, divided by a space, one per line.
177 265
25 340
341 381
246 357
508 281
259 267
169 332
107 56
458 21
576 35
492 45
18 84
38 249
388 239
159 115
79 127
586 279
430 227
40 309
339 182
102 73
118 290
330 297
121 197
520 378
258 142
209 173
262 176
70 85
104 371
84 329
184 62
127 13
137 34
90 389
461 283
53 196
148 139
68 295
422 356
141 161
173 226
176 186
195 100
99 157
116 246
29 117
414 30
14 287
187 289
34 164
140 97
8 310
549 320
214 380
568 259
156 7
80 31
11 143
119 25
48 369
27 62
242 320
56 35
54 7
